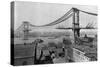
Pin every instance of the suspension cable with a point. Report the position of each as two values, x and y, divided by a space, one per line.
89 13
63 18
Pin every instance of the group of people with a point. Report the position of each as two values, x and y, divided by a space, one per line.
52 57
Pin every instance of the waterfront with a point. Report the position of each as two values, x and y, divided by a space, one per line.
25 52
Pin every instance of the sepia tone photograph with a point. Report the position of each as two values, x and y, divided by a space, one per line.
51 33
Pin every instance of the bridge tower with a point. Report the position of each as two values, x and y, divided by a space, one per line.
76 28
26 30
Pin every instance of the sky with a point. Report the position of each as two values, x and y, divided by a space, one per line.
44 13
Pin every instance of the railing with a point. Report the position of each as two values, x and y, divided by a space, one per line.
78 56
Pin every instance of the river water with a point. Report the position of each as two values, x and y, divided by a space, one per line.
90 33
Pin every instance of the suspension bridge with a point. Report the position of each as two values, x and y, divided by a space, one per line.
74 13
